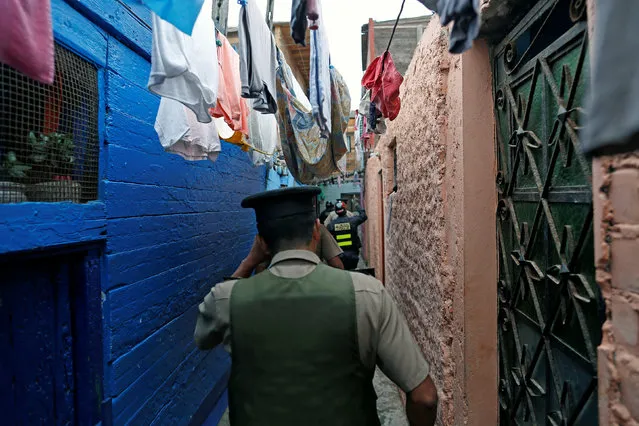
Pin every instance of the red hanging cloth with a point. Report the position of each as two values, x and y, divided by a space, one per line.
383 79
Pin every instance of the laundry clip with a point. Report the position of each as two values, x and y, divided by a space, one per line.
241 2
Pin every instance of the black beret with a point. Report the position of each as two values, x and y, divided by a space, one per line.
285 202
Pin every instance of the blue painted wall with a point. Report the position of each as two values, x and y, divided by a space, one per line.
168 229
276 181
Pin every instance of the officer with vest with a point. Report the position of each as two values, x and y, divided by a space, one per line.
305 337
344 229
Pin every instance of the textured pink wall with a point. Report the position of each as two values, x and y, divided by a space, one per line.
426 268
616 228
616 191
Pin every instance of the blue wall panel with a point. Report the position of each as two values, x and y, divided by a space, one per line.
170 229
174 228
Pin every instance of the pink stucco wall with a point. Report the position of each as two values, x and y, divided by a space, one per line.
446 113
616 228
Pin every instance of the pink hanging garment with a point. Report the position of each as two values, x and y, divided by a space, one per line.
230 104
26 38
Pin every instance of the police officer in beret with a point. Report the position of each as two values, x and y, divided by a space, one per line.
305 337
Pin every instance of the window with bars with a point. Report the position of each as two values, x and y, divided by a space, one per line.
49 145
393 147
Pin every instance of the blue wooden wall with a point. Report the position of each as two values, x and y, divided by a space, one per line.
168 229
276 181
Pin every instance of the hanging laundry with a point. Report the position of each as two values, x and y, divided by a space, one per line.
310 156
320 79
365 103
340 112
384 80
227 134
358 136
264 137
182 14
230 104
296 117
299 23
181 133
258 59
612 123
26 38
185 67
465 17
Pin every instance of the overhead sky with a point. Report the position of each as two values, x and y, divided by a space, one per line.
344 20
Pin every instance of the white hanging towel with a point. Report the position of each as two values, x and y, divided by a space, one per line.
264 136
185 67
181 133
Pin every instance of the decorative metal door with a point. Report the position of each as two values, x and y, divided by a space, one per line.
550 308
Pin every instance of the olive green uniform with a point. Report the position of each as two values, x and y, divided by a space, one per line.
383 336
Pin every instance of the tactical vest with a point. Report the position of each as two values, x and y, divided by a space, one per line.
295 353
345 234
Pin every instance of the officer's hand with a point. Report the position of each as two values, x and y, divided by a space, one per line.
259 252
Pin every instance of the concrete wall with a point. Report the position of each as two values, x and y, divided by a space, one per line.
407 35
333 192
442 212
168 229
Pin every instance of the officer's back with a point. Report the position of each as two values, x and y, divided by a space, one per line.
305 337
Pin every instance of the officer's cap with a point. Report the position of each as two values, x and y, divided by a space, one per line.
283 203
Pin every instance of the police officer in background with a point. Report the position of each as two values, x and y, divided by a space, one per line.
329 207
304 337
344 229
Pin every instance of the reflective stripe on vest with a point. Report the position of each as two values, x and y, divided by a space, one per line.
343 237
344 243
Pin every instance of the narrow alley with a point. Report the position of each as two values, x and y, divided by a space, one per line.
319 212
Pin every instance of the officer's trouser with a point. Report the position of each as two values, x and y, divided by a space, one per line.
350 259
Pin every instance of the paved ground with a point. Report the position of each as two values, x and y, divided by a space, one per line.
389 404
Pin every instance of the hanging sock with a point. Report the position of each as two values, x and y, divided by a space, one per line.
185 67
26 38
230 104
181 133
299 23
465 17
383 79
258 59
182 14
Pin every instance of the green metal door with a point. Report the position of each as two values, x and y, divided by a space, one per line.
550 307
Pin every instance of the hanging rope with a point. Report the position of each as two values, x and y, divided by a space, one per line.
395 26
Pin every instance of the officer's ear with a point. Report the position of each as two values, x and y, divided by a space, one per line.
317 234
